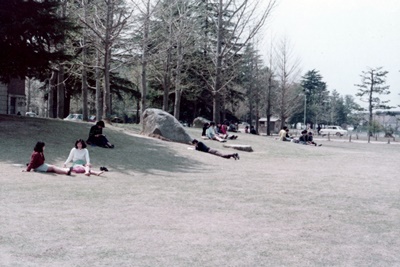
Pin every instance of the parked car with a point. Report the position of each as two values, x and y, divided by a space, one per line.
92 118
74 117
31 114
117 120
333 130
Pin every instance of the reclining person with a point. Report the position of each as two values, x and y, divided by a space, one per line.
200 146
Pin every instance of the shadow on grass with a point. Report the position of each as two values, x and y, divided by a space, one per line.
19 135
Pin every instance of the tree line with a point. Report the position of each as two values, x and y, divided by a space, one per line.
188 57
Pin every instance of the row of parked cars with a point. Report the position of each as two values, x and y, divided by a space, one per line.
79 117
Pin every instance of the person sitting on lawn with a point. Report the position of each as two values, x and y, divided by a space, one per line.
79 156
253 130
211 134
200 146
205 127
96 136
303 138
223 130
37 162
310 139
284 134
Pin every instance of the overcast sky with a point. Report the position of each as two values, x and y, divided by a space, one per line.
342 38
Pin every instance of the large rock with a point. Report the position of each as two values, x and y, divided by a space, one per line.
161 124
199 122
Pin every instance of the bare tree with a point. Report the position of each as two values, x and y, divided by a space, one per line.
232 35
287 70
107 23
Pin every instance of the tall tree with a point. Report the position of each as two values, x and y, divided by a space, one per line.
108 24
234 24
315 92
31 31
373 84
287 72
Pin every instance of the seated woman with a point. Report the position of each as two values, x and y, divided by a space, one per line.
96 136
37 162
80 159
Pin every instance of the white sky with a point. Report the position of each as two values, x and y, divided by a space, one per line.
342 38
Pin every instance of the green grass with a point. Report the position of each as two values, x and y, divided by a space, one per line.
162 204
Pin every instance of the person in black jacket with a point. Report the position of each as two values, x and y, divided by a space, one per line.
96 136
200 146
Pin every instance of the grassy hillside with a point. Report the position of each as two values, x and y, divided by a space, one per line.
19 135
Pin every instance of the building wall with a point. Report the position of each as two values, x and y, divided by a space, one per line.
12 97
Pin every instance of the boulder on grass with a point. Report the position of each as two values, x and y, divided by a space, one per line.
246 148
199 122
161 124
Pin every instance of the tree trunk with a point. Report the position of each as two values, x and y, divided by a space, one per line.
217 83
60 92
144 58
84 69
269 104
52 95
99 95
178 90
107 60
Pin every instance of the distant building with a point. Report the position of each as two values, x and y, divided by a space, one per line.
12 97
274 125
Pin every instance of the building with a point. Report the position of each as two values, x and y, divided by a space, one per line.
12 97
274 125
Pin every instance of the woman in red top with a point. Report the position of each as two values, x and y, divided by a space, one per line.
38 165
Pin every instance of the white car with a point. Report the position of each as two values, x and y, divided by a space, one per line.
31 114
333 130
74 117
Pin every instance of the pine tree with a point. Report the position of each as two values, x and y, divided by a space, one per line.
32 33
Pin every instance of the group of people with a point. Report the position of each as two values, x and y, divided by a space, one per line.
251 130
217 132
79 155
306 137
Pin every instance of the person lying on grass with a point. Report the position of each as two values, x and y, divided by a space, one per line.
200 146
80 159
37 162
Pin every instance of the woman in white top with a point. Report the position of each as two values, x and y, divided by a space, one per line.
80 159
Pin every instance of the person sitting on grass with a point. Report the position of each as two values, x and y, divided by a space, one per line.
205 127
284 134
96 136
310 139
37 162
200 146
211 134
80 159
223 130
253 130
303 138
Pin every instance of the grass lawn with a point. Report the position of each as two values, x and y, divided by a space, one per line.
165 204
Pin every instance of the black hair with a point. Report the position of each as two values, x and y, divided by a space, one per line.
39 147
80 141
100 123
212 123
195 141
